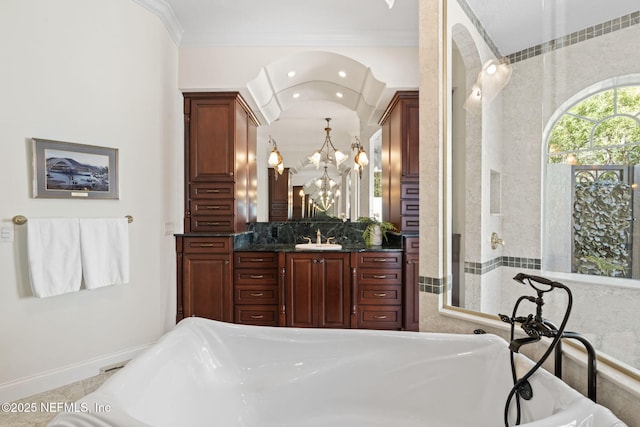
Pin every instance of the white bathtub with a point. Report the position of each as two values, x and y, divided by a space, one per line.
207 373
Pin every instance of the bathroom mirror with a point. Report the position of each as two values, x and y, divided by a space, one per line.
543 147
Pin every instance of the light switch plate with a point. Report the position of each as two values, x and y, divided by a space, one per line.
6 233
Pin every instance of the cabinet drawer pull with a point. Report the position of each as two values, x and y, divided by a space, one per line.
379 294
380 316
206 245
381 260
212 190
257 276
379 276
257 259
257 294
257 316
212 208
212 223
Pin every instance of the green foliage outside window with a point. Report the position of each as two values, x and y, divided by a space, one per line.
603 129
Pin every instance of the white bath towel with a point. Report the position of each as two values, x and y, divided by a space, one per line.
53 247
104 244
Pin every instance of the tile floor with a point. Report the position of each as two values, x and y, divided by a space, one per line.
67 393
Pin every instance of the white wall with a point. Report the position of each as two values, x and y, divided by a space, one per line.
101 73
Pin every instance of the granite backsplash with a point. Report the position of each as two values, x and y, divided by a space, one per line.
291 232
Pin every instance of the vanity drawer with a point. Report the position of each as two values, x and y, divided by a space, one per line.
212 190
410 223
212 207
388 317
410 207
251 276
379 260
256 260
379 295
255 294
410 190
212 223
376 276
206 244
412 245
262 315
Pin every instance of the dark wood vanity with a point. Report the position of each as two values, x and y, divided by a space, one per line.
356 287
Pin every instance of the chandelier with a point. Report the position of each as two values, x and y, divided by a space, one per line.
360 160
328 152
275 158
326 195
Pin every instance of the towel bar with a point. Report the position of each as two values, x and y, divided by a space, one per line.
21 219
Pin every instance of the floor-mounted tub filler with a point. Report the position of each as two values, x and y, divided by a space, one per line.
208 373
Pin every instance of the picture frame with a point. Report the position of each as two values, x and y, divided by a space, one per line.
65 170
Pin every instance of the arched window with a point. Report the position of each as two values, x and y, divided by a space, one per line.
593 151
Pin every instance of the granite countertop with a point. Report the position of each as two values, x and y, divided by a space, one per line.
290 247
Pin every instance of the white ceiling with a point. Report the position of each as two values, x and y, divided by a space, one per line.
513 25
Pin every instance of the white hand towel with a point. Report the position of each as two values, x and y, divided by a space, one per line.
53 247
104 244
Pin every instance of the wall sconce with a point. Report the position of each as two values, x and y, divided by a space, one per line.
360 160
275 158
493 77
328 152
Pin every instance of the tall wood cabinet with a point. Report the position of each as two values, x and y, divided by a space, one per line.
220 168
220 198
400 161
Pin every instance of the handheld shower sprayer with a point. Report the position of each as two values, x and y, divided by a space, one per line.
536 327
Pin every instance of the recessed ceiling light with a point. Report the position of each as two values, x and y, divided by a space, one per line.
339 94
342 73
296 95
291 73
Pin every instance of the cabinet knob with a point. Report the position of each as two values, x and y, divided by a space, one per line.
226 261
230 173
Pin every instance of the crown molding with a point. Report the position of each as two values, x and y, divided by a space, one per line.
164 11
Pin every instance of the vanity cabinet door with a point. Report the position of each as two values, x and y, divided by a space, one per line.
207 290
317 290
205 274
411 321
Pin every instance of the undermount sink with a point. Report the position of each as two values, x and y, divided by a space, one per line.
318 247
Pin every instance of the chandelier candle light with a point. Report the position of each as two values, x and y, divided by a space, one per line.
328 152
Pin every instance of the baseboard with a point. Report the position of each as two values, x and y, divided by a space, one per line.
45 381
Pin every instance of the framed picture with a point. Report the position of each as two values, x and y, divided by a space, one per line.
63 170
